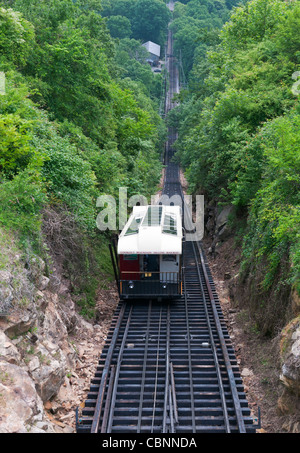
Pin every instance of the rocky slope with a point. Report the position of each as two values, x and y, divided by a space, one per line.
47 351
270 367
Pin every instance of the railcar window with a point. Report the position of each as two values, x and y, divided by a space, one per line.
170 226
130 257
169 258
153 216
134 226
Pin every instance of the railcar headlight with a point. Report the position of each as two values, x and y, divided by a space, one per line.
131 284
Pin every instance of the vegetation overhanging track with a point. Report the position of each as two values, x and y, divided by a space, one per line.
169 367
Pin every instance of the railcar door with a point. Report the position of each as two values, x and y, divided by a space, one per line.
169 268
151 266
129 267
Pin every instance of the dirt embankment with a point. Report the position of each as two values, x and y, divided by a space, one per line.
258 357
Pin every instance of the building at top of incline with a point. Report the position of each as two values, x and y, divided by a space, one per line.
154 52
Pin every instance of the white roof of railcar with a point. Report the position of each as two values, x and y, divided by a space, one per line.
152 230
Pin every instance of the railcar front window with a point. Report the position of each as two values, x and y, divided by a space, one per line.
170 226
134 226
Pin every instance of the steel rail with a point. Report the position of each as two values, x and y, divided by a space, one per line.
105 372
144 369
166 419
156 371
189 357
171 416
229 370
173 393
108 399
214 349
117 372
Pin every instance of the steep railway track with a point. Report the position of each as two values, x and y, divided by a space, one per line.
169 367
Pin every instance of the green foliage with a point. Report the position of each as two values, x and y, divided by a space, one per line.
21 200
68 178
131 59
246 85
148 18
252 23
103 162
76 82
196 27
14 143
239 138
275 212
118 8
16 36
119 27
76 121
186 32
17 120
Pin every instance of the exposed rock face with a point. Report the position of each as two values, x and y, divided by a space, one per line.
8 351
47 372
32 366
221 229
19 323
287 370
217 224
21 408
290 356
35 351
6 291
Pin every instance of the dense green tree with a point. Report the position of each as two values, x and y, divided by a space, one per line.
106 135
123 8
76 121
196 26
186 30
238 139
16 36
119 27
150 20
131 58
242 90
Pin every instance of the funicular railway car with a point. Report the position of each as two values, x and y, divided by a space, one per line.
150 253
